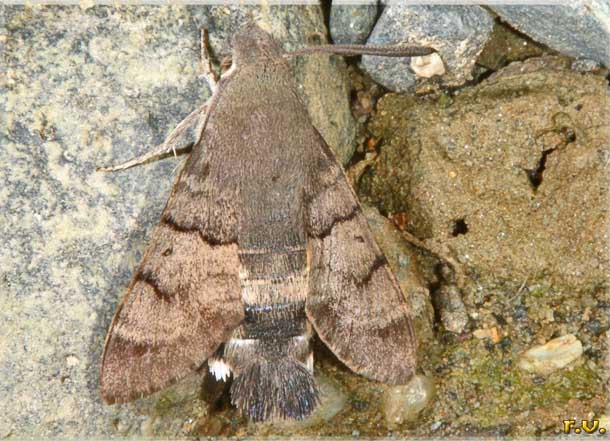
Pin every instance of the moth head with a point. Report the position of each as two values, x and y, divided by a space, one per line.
251 44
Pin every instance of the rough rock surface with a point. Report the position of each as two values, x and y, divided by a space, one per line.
508 182
85 87
579 28
458 33
351 23
511 176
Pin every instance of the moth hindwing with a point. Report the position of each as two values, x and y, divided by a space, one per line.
261 243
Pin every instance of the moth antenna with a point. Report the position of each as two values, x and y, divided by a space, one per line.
206 62
349 50
170 145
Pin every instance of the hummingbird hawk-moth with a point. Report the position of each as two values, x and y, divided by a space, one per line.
262 243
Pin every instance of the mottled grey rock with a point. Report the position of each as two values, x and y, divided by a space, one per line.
86 87
457 32
352 23
579 28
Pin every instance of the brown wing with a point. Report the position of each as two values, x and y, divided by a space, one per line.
184 300
354 301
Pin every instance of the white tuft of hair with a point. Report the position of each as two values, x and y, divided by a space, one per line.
309 363
219 369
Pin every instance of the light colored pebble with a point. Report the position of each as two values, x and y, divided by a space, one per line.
551 356
436 425
491 333
72 361
428 66
403 403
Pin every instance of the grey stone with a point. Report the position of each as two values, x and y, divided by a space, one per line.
86 87
457 32
452 310
350 23
579 28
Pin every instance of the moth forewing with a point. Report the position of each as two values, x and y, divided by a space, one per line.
261 238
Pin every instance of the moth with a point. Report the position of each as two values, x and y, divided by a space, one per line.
262 243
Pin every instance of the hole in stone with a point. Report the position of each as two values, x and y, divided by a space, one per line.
459 227
568 134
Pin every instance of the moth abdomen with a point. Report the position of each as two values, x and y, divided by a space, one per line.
272 363
279 321
269 353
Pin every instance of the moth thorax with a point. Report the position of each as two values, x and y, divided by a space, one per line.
252 45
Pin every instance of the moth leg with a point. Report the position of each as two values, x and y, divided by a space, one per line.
226 63
170 145
206 63
441 253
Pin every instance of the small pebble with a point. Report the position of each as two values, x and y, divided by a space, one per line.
436 425
585 65
121 427
147 427
403 403
594 326
453 312
428 66
520 312
491 333
371 144
72 361
551 356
